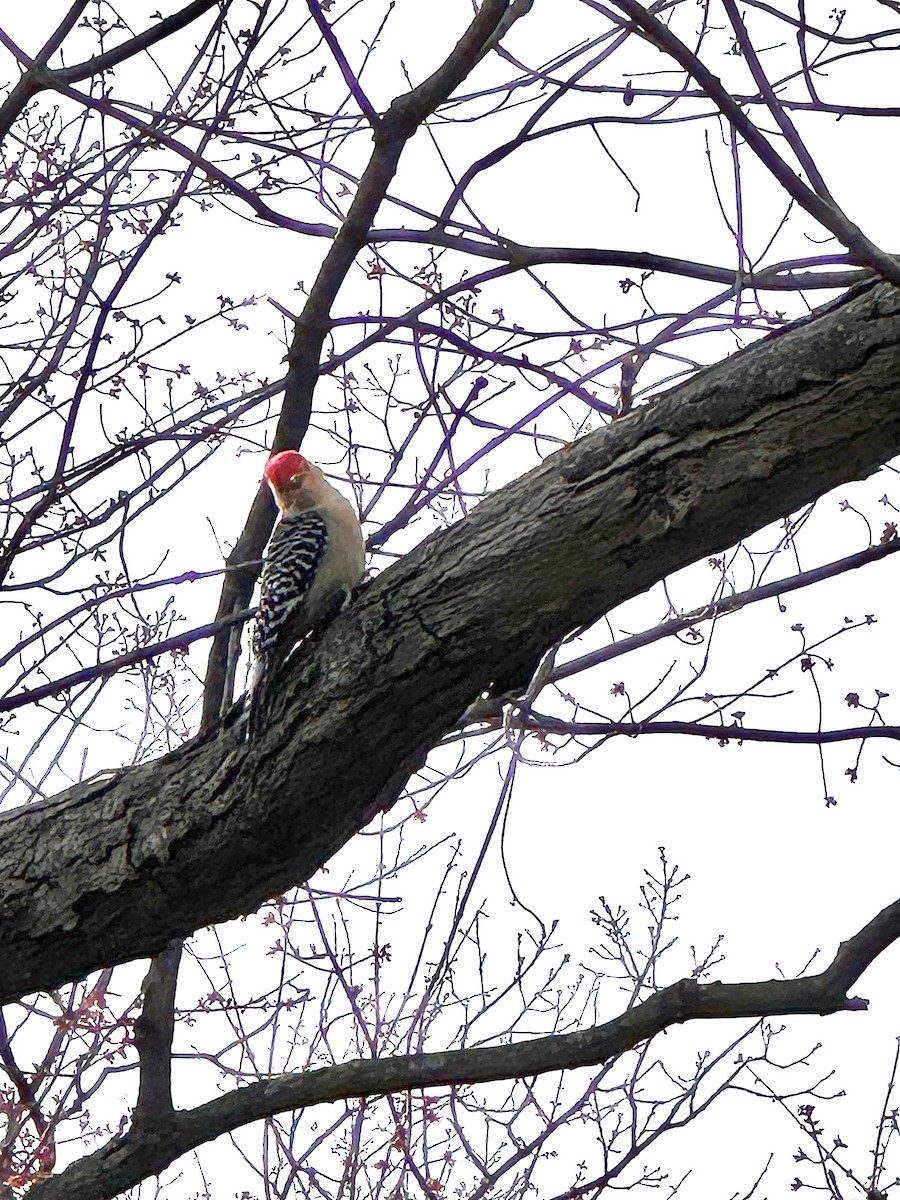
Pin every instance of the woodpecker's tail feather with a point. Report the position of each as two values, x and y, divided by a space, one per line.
257 700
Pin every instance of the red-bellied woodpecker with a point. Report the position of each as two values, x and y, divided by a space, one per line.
314 558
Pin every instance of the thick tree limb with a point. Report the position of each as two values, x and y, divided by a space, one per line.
146 1151
113 869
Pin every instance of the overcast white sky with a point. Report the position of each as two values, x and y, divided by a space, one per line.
771 867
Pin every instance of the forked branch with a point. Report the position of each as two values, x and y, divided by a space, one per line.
127 1160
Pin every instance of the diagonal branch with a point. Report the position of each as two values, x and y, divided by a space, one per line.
720 608
125 1161
38 77
767 92
824 210
353 84
121 662
112 869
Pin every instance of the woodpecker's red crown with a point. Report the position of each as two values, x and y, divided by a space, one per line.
282 468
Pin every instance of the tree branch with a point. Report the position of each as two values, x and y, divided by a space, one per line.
37 76
391 134
825 211
721 608
777 278
146 1151
112 869
153 1031
131 658
719 733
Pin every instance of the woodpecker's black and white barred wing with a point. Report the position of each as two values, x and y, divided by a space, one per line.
294 553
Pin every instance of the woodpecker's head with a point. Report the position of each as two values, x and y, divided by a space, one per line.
294 480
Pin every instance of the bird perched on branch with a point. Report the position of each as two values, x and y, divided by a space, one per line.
315 557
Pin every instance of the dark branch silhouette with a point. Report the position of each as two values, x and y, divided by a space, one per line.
473 607
420 366
151 1147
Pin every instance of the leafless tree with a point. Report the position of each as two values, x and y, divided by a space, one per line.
438 218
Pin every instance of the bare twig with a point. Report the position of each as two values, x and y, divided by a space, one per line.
391 133
126 1160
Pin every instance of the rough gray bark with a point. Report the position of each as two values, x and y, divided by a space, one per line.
113 870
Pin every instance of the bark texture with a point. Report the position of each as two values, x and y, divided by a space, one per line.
113 869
